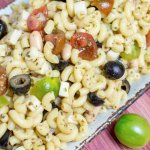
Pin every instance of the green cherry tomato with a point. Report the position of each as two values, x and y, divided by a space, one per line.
135 53
3 101
44 86
132 131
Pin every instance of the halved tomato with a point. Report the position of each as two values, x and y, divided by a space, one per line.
105 6
37 19
148 39
3 81
58 39
85 43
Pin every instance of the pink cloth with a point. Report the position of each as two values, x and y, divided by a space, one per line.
106 140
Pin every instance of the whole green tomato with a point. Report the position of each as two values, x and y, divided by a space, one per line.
132 131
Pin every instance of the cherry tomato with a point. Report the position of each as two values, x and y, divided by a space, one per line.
134 53
132 130
36 21
3 81
148 39
58 39
44 86
104 6
86 45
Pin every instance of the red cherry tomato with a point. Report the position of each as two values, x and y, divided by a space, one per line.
58 39
86 45
37 19
104 6
3 81
148 39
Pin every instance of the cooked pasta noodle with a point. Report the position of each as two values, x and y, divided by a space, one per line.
61 51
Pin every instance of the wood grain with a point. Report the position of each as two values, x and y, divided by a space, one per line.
106 140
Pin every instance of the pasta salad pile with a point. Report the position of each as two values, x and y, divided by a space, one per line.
64 62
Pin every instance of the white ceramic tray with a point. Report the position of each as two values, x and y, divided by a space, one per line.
103 120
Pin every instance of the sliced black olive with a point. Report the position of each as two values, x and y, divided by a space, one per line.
62 65
95 100
4 140
99 45
3 29
126 86
20 84
114 70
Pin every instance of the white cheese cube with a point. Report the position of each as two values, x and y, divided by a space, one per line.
64 89
13 37
3 48
80 9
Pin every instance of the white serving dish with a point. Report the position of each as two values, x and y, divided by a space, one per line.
103 120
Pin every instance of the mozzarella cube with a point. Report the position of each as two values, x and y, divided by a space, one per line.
64 89
13 37
80 9
3 48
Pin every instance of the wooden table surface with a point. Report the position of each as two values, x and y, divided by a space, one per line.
106 139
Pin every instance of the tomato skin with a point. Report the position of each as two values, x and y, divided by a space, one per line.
132 131
104 6
36 21
33 24
58 39
85 43
148 39
3 81
42 9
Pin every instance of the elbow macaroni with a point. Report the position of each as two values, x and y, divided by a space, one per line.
38 125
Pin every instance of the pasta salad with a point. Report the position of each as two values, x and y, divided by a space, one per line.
64 62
